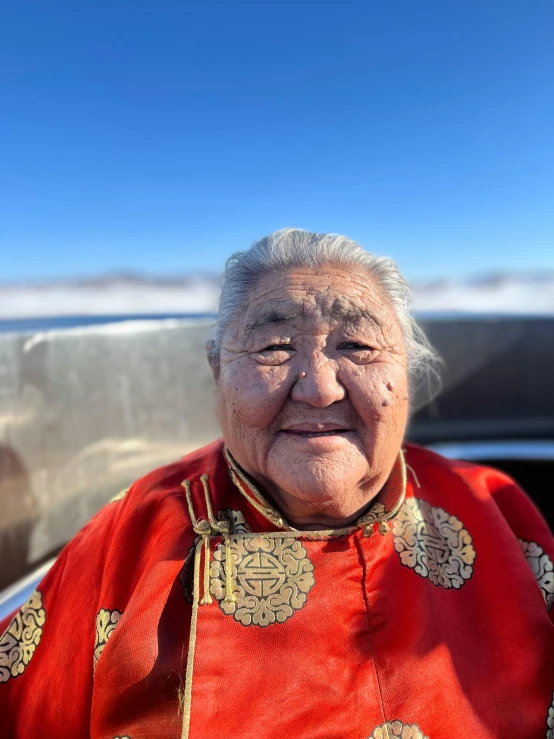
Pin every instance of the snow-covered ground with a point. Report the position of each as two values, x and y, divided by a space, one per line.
109 297
531 294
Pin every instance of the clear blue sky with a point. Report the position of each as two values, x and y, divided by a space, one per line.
161 136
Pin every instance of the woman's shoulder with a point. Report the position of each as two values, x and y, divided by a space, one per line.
478 485
476 475
156 490
170 477
126 533
144 525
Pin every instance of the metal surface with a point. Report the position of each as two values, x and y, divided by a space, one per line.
479 450
497 381
84 412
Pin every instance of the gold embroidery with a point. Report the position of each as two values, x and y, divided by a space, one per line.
106 621
376 512
541 567
119 496
21 638
186 695
397 730
237 521
255 498
434 544
550 720
237 525
271 578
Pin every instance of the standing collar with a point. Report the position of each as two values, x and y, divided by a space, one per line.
384 507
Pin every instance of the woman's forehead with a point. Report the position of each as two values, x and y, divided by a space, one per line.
344 279
339 311
333 295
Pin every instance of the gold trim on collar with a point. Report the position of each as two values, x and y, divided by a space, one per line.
255 498
377 515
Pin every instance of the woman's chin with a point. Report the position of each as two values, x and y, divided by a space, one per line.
318 488
310 505
317 471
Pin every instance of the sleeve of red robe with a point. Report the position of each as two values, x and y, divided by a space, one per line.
524 519
48 648
124 560
57 626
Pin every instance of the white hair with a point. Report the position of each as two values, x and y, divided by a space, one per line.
293 247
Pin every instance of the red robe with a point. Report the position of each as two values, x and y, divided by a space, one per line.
429 618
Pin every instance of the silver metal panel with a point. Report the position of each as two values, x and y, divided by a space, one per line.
83 413
479 450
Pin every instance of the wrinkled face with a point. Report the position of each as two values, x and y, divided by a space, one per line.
312 391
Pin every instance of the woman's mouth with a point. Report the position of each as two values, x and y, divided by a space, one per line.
314 431
310 434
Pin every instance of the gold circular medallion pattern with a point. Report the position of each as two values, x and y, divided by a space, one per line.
271 579
119 496
106 621
550 720
541 567
21 638
397 730
237 521
434 544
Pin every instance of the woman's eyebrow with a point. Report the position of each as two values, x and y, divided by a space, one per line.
337 312
348 314
272 316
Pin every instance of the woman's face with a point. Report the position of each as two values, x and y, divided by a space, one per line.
312 391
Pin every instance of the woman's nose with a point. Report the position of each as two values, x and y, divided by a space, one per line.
318 385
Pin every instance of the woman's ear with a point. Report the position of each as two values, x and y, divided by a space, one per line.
213 358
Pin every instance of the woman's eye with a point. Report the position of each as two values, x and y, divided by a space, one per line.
275 354
354 345
358 353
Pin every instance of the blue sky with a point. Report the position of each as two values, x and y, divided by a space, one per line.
161 136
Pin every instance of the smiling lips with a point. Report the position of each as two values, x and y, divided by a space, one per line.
313 430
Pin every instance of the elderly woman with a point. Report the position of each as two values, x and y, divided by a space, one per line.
310 575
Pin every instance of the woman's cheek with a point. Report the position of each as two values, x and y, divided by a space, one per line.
376 390
255 392
270 389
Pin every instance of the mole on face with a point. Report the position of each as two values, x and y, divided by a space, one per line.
390 386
